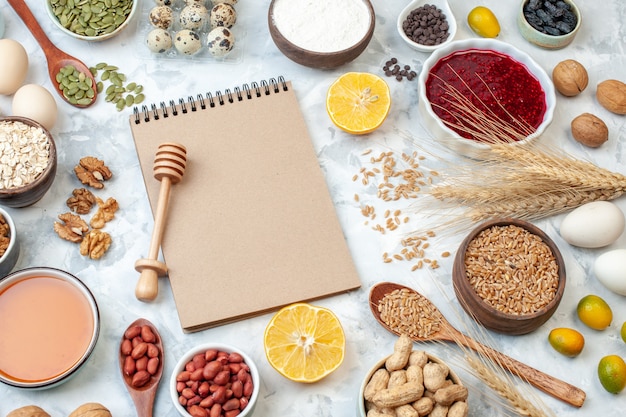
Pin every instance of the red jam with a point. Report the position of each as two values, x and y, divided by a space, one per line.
494 82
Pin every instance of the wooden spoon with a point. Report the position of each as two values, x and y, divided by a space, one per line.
144 396
446 332
56 58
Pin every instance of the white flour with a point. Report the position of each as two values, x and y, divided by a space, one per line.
322 25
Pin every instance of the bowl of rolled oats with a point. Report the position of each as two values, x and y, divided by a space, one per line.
28 161
9 243
509 276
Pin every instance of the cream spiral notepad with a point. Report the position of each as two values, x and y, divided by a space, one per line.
251 227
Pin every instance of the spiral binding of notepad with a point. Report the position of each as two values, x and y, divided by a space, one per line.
209 100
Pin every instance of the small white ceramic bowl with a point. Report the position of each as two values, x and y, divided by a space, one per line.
447 11
544 40
12 252
449 137
41 298
96 38
201 349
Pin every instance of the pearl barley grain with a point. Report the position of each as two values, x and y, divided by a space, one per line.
322 25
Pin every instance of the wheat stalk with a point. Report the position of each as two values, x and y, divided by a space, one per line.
504 388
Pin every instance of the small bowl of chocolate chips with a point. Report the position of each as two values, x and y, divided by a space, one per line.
426 25
549 24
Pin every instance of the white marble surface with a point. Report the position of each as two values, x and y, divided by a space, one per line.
102 131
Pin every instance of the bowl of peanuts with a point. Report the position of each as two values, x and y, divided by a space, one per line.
29 161
412 382
215 379
49 327
509 276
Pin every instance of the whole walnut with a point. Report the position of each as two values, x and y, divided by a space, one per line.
611 94
91 410
570 77
589 130
28 411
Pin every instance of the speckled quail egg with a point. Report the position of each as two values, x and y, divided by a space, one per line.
161 17
223 14
187 42
231 2
199 2
169 3
193 17
159 40
220 41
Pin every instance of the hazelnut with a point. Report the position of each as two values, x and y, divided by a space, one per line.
570 77
611 94
589 130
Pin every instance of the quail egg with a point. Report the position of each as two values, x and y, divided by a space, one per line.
187 42
169 3
198 2
159 40
193 17
220 41
161 17
231 2
223 14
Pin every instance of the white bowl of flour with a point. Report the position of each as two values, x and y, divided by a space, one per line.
321 33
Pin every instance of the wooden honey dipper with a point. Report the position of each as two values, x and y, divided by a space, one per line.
169 167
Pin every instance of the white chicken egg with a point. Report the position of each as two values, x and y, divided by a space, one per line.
13 66
187 42
159 40
610 269
593 225
220 41
35 102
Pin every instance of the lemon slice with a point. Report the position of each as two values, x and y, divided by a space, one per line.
358 102
304 343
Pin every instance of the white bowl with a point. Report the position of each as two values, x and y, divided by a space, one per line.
98 38
25 335
447 11
188 356
12 252
452 139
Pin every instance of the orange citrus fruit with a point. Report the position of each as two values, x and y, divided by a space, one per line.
568 342
612 373
358 102
623 332
304 343
594 312
482 21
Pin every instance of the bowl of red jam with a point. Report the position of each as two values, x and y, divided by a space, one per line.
477 92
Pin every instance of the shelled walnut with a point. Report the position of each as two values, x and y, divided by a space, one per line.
82 201
106 212
92 171
95 244
73 227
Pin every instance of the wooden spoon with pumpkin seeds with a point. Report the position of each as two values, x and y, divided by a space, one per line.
60 64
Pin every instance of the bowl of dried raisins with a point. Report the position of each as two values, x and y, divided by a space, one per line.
550 24
29 161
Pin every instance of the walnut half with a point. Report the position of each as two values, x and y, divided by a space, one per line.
95 244
92 171
106 212
82 201
73 227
